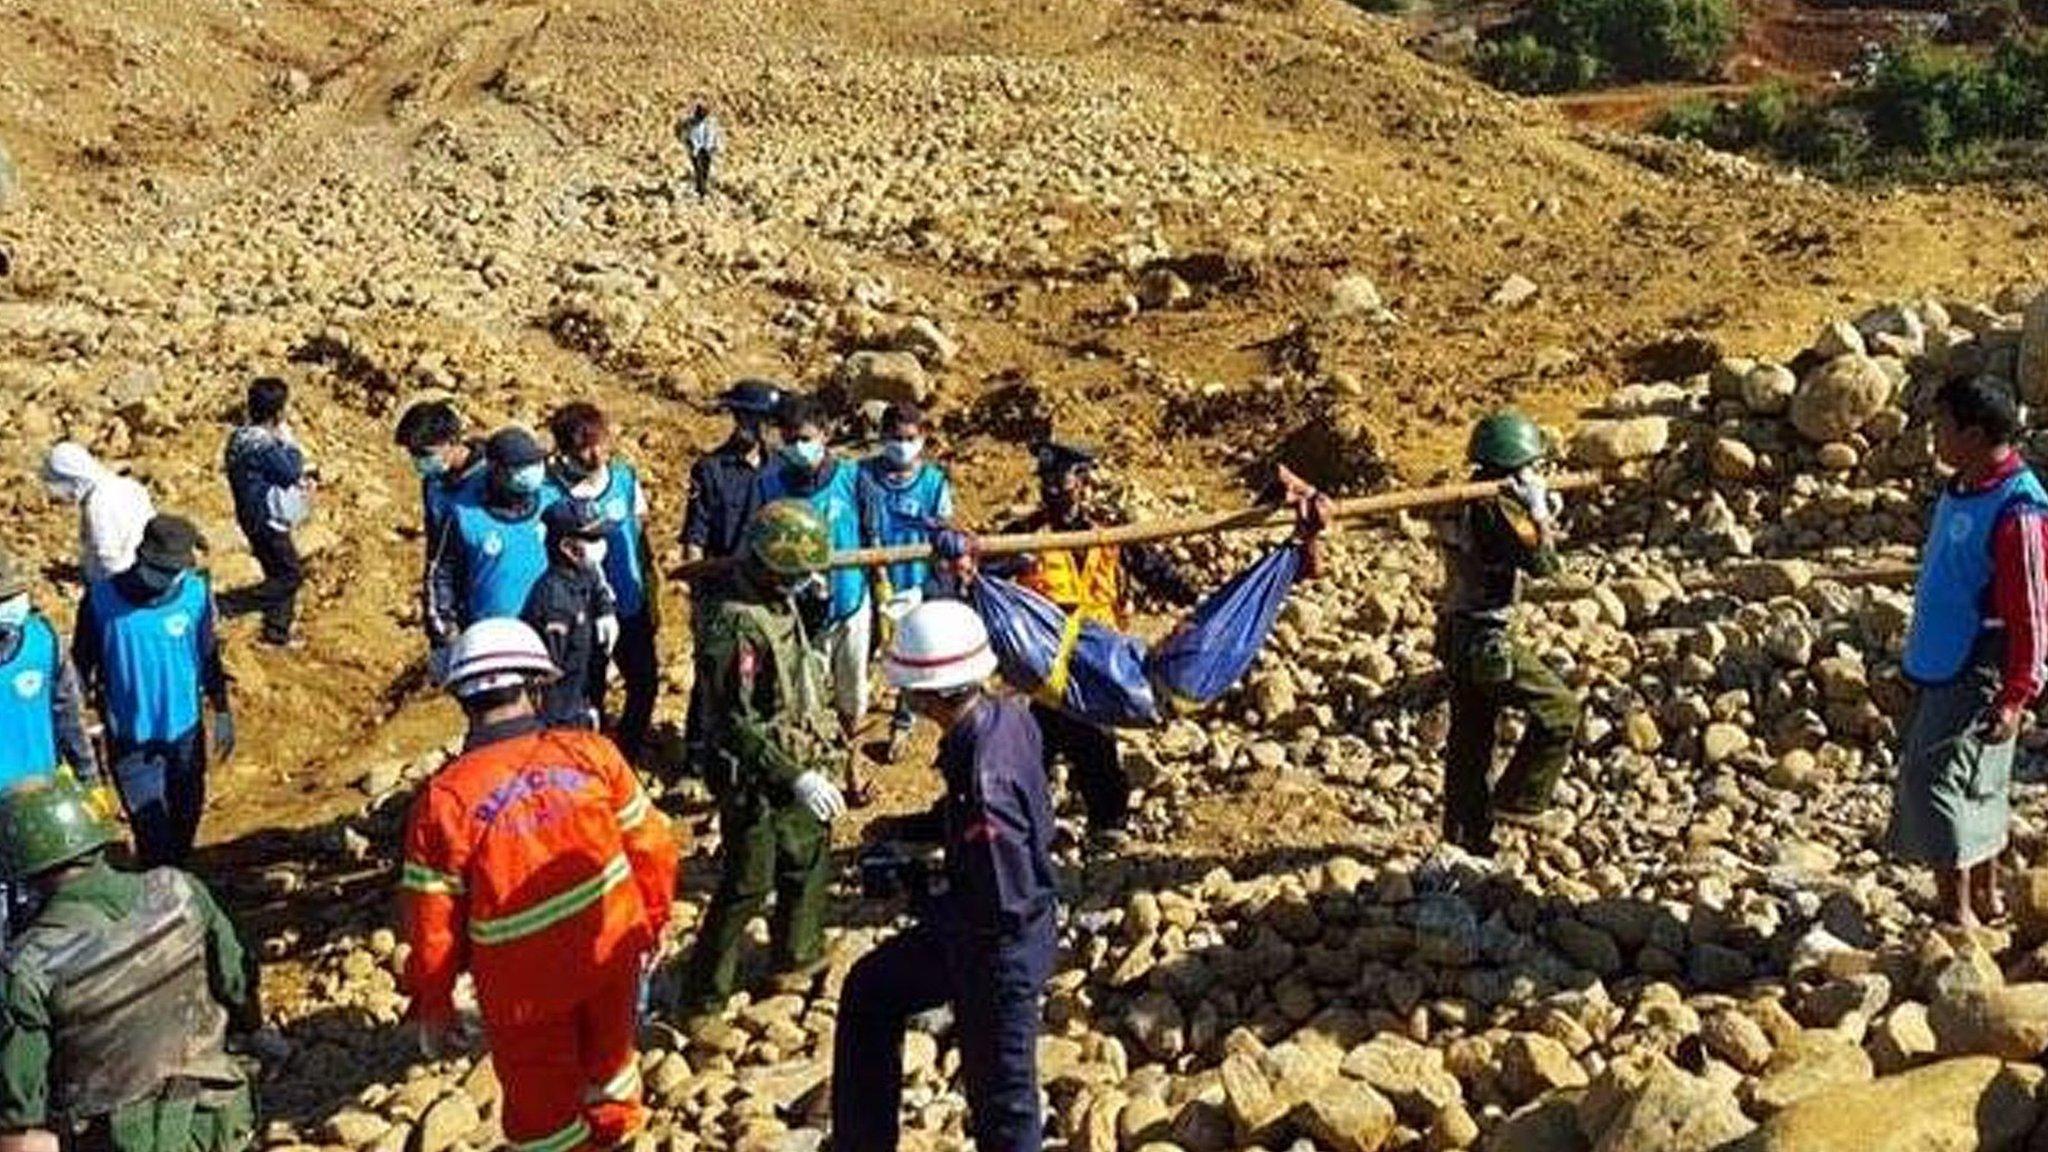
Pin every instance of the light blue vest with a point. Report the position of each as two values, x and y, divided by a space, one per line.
625 569
501 559
28 694
838 501
903 512
151 659
1950 601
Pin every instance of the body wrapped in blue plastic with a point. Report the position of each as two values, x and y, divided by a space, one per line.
1105 677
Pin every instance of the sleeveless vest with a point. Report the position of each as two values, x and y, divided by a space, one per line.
502 559
903 513
150 654
625 569
1950 602
1087 584
129 1000
28 693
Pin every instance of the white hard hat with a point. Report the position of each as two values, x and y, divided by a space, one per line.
499 652
941 645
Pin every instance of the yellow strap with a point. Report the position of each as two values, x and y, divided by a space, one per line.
1054 690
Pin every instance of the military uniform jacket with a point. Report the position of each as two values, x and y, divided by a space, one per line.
768 705
1488 547
117 999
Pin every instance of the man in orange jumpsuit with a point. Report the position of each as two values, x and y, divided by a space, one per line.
536 861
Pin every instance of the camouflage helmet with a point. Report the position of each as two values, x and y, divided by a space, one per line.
1506 440
46 822
788 538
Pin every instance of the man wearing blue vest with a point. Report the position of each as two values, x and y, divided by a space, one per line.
905 499
42 708
448 465
147 648
807 470
1974 651
493 546
586 469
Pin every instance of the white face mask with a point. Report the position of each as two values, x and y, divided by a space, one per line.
14 612
903 453
594 552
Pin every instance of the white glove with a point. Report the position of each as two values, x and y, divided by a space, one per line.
819 796
607 632
1533 493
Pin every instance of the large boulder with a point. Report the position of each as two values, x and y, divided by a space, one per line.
1840 397
1810 1064
1676 1112
1345 1116
890 377
1974 1104
1532 1064
1606 443
2010 1021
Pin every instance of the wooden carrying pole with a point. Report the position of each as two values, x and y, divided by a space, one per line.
1262 516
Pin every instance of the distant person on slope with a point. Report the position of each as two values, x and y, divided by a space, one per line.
272 489
112 509
1974 652
702 134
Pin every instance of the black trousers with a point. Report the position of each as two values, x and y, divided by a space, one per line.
283 574
1096 762
700 172
640 671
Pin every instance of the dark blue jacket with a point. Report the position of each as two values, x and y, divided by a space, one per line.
996 822
258 460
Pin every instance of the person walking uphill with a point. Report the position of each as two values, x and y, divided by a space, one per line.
705 138
118 995
1489 547
147 648
774 744
1974 652
1090 585
112 509
492 547
724 494
571 608
271 485
586 470
808 471
535 861
986 943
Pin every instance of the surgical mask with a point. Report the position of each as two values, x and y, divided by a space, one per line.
594 552
804 453
68 490
156 579
813 586
903 453
527 480
13 613
573 470
429 466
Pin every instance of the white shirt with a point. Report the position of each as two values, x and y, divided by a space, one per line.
110 523
705 135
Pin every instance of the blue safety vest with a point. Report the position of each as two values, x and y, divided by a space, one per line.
150 655
501 559
625 569
838 502
438 496
28 698
1949 603
901 511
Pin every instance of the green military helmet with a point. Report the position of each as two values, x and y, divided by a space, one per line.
45 823
1506 440
789 538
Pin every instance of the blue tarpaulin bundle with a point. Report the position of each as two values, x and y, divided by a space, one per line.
1094 672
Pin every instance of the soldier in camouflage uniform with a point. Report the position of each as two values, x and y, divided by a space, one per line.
774 740
1490 546
118 996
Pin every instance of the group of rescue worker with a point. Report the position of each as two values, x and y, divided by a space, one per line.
536 861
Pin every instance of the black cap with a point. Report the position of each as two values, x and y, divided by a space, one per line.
514 447
575 520
752 397
171 542
1057 458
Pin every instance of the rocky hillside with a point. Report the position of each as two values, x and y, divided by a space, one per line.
1203 234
